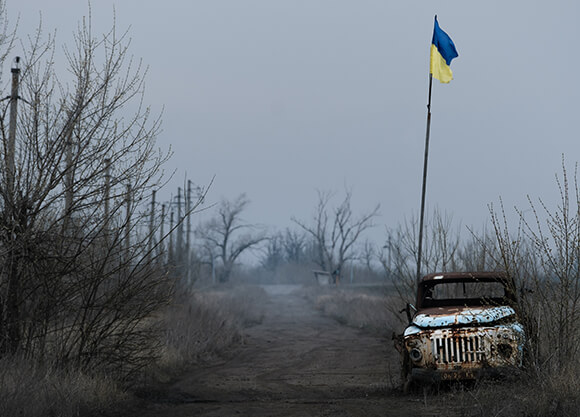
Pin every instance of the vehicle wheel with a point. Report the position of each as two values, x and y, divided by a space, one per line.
409 385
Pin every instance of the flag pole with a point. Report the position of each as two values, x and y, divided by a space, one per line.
424 189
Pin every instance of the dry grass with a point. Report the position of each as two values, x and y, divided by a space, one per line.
555 395
28 390
201 327
362 308
204 325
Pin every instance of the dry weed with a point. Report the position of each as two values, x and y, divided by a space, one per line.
550 395
205 324
28 390
357 309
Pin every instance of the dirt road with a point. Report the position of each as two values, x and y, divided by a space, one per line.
296 363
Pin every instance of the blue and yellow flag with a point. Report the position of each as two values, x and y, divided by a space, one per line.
442 52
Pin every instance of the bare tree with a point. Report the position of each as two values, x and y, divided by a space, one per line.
273 256
229 234
443 251
77 279
294 246
284 248
335 231
368 255
542 254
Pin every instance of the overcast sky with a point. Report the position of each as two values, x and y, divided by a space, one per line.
279 99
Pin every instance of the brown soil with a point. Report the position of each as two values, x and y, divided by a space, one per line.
295 363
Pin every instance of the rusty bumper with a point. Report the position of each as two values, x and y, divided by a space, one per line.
438 375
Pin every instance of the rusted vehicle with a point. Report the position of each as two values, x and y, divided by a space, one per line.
463 326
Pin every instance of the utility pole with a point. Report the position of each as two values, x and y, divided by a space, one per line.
107 196
179 245
188 226
69 170
390 250
68 182
162 233
128 223
188 232
69 177
171 238
12 315
10 149
151 227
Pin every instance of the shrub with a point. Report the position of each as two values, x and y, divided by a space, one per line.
543 256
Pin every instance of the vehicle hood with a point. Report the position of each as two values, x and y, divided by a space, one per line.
461 316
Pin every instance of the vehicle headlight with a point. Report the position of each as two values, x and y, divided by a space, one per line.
415 355
505 350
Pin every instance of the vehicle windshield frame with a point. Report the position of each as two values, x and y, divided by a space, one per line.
429 282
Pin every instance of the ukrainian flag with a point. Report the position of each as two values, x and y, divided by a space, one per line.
442 52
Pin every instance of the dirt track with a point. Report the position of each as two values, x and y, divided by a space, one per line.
296 363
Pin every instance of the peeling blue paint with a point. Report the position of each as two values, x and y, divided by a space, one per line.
462 316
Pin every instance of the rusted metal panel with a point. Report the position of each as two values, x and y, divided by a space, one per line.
471 347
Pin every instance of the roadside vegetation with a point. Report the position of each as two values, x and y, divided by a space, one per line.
366 308
203 325
199 327
34 389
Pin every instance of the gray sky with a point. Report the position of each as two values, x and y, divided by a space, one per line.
280 98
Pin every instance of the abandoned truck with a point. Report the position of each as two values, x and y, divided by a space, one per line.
463 326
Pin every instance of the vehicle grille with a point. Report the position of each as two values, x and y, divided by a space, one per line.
458 349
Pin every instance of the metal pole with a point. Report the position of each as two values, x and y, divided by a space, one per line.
424 190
